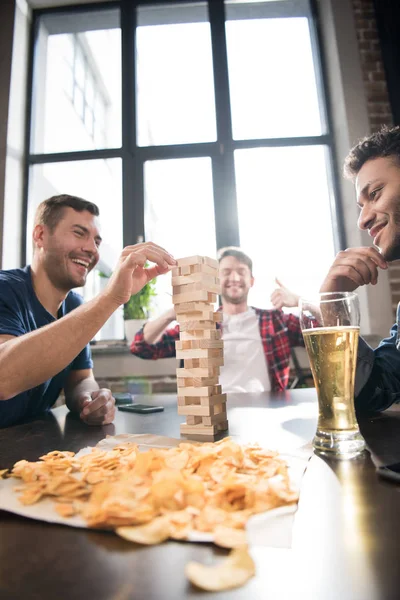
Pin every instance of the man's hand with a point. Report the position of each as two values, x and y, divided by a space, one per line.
282 296
98 407
131 275
353 268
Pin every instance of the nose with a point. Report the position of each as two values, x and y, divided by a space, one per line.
235 276
366 218
90 247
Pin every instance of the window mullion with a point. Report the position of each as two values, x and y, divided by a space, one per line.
225 204
132 169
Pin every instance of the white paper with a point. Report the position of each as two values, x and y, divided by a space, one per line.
272 528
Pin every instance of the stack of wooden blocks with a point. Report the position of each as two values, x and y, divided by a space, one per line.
195 287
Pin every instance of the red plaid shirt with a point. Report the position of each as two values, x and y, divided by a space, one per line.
279 333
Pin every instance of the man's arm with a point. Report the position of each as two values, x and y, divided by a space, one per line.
95 406
28 360
164 348
153 330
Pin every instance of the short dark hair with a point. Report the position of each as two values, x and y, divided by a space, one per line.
381 144
50 211
236 253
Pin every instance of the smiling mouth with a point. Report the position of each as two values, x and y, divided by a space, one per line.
81 262
375 232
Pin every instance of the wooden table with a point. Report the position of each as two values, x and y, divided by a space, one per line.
345 538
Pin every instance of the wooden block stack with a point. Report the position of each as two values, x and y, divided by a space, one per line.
195 287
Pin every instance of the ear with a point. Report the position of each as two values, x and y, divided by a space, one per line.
38 236
252 281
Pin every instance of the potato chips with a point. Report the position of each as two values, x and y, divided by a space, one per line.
197 487
148 497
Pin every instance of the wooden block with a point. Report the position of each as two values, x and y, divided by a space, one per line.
191 420
193 287
193 344
195 363
195 410
194 278
206 390
211 262
204 315
175 272
200 353
198 429
222 426
196 325
198 373
204 269
190 260
187 307
183 400
196 381
215 419
213 400
195 334
203 438
199 295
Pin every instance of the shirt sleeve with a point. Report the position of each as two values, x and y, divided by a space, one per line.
378 375
164 348
83 360
292 322
11 322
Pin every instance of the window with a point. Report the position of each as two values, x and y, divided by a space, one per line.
196 125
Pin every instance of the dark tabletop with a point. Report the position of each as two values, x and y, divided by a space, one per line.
345 537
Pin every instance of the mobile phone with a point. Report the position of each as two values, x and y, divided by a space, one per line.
122 398
391 472
142 409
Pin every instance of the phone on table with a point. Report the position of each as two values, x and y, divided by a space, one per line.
142 409
122 398
391 472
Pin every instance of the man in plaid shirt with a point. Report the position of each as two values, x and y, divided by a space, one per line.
257 342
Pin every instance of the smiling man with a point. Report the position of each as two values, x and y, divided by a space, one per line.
45 329
257 342
374 166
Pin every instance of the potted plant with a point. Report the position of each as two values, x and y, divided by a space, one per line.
136 310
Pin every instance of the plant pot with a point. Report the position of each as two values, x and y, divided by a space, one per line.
132 326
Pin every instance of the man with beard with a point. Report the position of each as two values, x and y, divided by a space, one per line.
374 166
45 329
257 342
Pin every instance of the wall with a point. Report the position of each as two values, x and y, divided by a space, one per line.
378 105
6 42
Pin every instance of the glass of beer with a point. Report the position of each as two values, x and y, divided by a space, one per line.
331 326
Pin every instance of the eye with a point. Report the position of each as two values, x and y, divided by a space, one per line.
374 193
78 233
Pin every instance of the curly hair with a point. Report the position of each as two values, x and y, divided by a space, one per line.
382 144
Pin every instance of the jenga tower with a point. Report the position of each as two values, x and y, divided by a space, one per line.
195 287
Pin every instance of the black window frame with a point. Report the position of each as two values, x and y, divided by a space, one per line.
221 151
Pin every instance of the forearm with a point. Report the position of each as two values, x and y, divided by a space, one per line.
31 359
153 330
73 396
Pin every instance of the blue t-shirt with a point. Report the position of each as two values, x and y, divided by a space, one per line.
20 313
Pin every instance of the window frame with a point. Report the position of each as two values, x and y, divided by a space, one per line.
221 151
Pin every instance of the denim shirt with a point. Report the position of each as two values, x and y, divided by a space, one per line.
378 374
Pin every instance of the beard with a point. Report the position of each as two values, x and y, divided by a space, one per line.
58 273
236 299
393 251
